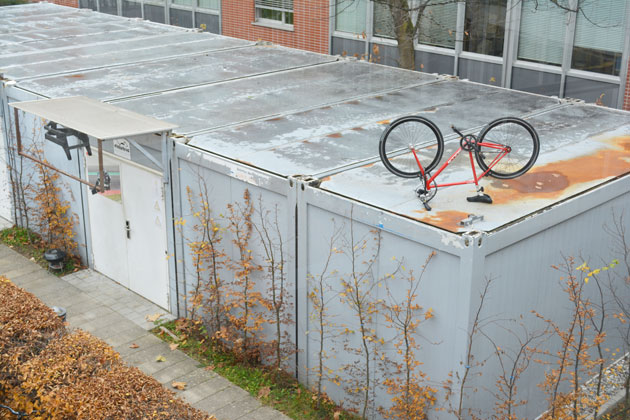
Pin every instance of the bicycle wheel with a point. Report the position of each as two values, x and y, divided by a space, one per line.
512 132
406 133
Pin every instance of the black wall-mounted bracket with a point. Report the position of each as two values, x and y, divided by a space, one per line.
59 136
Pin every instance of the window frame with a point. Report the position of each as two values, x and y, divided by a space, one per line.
281 23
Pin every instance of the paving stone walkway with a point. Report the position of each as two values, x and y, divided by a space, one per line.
118 316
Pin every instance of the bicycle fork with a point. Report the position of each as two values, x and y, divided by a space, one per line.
422 191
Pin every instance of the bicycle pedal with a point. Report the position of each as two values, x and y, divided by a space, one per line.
480 198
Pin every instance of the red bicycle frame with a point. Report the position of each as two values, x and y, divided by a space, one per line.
503 151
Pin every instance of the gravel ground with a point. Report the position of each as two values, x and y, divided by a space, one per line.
613 380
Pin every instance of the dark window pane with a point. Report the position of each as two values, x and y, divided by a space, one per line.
271 14
599 61
383 21
484 27
438 25
599 36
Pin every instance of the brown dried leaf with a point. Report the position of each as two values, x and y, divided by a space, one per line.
264 392
336 415
154 317
173 346
179 385
134 346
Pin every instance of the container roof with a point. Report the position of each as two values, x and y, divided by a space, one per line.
294 112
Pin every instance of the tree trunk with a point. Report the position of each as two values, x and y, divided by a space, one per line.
405 32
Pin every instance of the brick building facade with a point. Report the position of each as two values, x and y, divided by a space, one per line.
309 30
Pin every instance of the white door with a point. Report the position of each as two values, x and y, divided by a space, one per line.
107 221
128 228
143 200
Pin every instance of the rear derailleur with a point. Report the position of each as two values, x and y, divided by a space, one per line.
423 194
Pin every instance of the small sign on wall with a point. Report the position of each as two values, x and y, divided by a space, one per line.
122 148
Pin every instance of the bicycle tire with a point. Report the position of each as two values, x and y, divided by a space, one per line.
406 132
523 141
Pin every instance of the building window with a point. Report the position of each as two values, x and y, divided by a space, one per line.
599 37
208 4
484 27
383 21
275 11
187 3
438 25
542 32
350 16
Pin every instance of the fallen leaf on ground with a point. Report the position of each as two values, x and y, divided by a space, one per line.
174 346
134 346
336 415
264 392
210 367
179 385
154 317
160 358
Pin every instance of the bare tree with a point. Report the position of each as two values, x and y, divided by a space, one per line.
321 293
619 285
513 362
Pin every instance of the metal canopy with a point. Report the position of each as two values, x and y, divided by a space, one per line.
94 118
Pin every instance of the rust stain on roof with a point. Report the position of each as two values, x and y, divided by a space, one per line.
75 76
447 219
358 128
276 119
553 179
334 135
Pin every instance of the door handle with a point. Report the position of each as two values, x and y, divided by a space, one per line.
128 229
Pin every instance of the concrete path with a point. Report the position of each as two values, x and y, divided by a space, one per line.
115 314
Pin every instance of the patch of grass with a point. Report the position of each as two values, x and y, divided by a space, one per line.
281 392
32 246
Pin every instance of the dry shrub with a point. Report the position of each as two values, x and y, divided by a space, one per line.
122 393
27 325
53 375
67 360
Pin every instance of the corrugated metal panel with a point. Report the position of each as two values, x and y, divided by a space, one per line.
111 54
325 139
272 95
199 66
